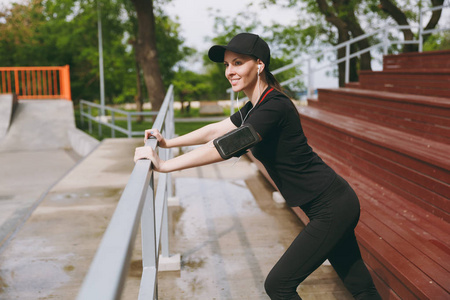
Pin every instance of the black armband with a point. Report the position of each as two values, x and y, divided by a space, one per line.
237 142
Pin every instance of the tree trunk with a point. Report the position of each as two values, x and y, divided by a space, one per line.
435 17
401 19
147 53
343 37
342 32
356 30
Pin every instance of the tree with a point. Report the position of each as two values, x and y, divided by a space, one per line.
60 32
346 17
393 10
226 28
190 86
147 53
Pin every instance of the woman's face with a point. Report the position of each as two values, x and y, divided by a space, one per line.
241 71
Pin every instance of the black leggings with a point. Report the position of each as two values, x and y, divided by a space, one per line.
329 235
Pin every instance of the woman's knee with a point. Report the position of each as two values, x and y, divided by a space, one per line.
277 288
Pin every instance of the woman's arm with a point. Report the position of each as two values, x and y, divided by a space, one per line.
196 137
203 155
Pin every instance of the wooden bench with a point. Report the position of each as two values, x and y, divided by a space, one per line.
429 82
424 116
415 168
394 149
413 60
405 240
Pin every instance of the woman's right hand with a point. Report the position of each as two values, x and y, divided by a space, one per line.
155 132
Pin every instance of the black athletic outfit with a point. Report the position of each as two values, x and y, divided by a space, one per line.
305 180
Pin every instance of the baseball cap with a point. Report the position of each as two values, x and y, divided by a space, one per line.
243 43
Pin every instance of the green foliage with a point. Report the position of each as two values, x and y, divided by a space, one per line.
190 86
440 41
60 32
227 28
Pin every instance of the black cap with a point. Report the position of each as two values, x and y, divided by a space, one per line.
243 43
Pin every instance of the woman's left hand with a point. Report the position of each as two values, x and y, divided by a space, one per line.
147 152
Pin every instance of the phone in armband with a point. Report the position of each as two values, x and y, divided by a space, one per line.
237 141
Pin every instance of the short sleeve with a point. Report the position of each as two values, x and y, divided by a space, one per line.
238 116
266 118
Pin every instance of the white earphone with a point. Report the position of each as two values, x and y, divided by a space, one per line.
259 69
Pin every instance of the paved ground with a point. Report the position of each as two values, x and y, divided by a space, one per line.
55 207
228 231
35 152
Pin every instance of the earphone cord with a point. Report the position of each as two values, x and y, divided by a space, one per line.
237 102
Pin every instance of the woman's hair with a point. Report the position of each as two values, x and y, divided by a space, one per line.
271 81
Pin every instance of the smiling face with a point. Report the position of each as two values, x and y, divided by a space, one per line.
241 71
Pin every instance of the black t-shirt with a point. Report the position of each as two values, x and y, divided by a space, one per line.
299 173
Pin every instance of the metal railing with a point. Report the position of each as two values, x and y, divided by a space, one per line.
109 119
381 35
36 82
138 204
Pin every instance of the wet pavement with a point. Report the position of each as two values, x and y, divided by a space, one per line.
230 233
227 229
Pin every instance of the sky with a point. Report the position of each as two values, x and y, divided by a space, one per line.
197 24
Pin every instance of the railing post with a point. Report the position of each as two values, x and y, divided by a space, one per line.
385 41
347 63
420 28
165 218
129 124
310 79
16 83
148 232
90 120
81 113
100 120
113 132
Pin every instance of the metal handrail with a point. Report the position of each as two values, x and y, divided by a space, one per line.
107 273
101 120
385 43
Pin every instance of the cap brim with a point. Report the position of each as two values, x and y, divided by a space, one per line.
216 53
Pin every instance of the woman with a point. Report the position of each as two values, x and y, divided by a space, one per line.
301 176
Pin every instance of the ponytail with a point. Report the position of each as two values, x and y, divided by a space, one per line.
272 82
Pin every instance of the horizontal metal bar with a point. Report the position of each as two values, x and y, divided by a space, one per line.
296 78
159 122
120 111
106 275
436 8
435 30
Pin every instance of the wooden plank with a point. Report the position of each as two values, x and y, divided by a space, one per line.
415 103
397 289
381 111
437 273
431 60
388 160
433 203
420 112
419 283
429 151
414 218
379 204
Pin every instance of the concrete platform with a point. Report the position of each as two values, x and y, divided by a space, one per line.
38 145
228 231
